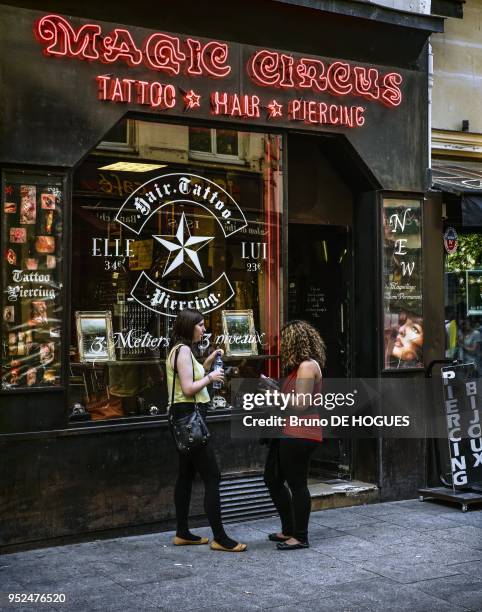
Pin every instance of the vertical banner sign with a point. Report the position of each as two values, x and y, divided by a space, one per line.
402 283
462 394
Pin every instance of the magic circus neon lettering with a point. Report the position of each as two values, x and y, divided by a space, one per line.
174 56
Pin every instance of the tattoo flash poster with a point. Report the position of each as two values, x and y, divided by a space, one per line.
31 272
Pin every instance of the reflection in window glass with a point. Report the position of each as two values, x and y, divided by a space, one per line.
463 301
226 142
200 139
149 244
118 133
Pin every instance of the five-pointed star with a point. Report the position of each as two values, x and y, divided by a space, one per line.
183 248
275 109
192 100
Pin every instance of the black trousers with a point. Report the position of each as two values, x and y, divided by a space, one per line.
202 461
288 462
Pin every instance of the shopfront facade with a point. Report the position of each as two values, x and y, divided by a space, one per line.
153 164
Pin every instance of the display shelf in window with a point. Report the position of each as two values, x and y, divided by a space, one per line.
32 296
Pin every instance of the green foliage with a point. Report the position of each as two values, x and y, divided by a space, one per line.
468 255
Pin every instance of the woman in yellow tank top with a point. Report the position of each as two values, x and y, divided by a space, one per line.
190 387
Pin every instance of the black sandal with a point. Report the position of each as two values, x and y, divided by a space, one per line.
285 546
274 537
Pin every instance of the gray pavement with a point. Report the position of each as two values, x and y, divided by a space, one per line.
404 555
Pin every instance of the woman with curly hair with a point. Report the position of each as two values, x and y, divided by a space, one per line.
302 358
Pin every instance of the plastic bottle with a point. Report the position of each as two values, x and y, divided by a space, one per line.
218 365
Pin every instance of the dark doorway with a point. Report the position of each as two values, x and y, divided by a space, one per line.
319 286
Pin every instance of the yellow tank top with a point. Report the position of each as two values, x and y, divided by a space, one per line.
201 397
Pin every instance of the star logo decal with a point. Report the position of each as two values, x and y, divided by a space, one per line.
192 100
182 250
8 189
275 109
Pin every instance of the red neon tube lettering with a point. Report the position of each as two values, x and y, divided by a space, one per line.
219 103
142 89
115 93
194 66
391 94
366 82
310 73
323 109
155 94
338 75
333 118
119 45
252 106
102 80
214 56
127 85
287 71
163 52
359 118
263 68
294 107
63 40
169 96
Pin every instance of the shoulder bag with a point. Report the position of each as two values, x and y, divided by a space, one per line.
189 431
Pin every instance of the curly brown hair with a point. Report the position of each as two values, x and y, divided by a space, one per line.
300 341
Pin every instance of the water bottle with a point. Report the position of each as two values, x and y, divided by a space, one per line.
218 365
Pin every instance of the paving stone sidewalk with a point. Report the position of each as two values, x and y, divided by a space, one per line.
406 555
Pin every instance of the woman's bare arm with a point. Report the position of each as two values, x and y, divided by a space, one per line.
305 382
185 373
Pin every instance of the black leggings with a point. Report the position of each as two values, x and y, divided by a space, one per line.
202 460
288 461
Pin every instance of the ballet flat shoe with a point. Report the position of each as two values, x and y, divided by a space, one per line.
177 541
274 537
284 546
238 548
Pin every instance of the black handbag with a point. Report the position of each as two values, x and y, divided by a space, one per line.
189 431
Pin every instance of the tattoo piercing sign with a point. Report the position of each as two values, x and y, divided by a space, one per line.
182 248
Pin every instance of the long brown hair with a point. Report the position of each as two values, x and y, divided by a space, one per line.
300 341
184 324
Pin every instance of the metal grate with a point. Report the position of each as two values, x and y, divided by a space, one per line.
245 498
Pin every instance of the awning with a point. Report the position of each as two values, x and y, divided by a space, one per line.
472 209
459 178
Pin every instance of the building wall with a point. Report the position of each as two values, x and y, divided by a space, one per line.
457 90
411 6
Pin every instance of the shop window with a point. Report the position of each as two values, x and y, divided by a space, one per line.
32 293
463 298
132 226
214 144
402 283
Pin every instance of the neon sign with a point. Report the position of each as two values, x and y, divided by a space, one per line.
305 79
159 52
273 69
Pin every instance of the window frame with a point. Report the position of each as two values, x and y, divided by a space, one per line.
130 144
213 155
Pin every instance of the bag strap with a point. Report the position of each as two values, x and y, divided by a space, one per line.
176 355
174 374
